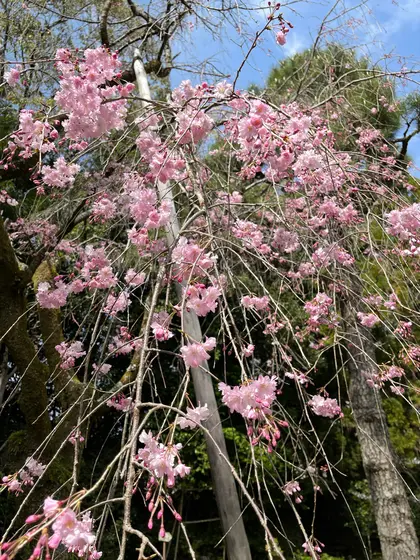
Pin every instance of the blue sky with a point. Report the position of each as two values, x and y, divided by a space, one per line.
380 27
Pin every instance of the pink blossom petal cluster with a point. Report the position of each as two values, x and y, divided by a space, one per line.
91 105
12 76
194 417
202 299
324 406
121 402
61 174
194 354
134 278
52 298
404 223
160 326
32 136
162 460
257 303
25 477
368 320
191 260
253 399
123 343
116 303
69 352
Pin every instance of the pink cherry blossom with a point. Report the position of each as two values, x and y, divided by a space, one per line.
12 76
324 406
194 417
61 174
161 460
196 353
160 326
368 319
69 352
116 304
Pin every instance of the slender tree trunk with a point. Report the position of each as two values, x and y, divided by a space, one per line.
389 499
223 482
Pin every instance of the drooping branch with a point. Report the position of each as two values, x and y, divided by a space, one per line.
223 481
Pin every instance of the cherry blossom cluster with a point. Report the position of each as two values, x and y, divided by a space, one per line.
121 402
324 406
194 417
143 204
52 298
321 312
116 303
61 174
69 529
291 489
324 256
33 233
257 303
404 223
5 198
163 461
195 353
123 342
25 477
253 399
12 76
92 106
368 320
69 353
313 545
385 373
160 326
202 299
32 136
190 260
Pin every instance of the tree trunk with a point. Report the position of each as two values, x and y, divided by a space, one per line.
33 399
223 482
389 499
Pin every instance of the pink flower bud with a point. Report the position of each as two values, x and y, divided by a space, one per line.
162 533
32 519
160 513
177 517
150 524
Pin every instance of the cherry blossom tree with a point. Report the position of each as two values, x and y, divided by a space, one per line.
131 260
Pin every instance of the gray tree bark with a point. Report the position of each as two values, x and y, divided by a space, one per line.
389 499
223 482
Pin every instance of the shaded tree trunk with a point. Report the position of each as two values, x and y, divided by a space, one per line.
390 503
33 399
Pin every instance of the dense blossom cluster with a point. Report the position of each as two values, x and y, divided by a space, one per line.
196 353
61 174
163 461
253 399
190 260
31 136
202 299
324 406
85 96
